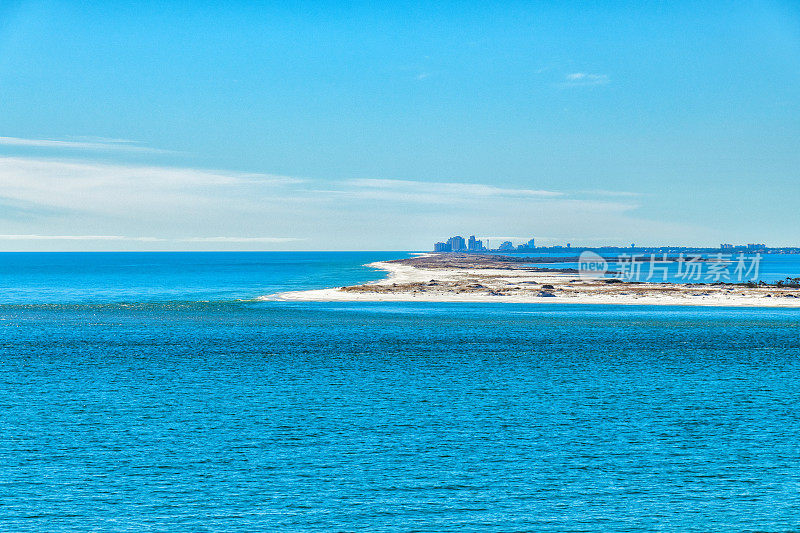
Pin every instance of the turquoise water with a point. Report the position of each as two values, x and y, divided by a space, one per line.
186 276
127 404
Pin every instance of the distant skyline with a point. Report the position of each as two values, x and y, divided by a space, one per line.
388 126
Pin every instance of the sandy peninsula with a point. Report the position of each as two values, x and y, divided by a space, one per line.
482 278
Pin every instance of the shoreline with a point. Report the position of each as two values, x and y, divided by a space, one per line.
469 279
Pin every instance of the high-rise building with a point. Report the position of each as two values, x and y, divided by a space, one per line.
474 245
507 245
457 243
531 243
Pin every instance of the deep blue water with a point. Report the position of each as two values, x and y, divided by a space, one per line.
136 402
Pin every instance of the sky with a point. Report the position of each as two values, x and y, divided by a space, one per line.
388 126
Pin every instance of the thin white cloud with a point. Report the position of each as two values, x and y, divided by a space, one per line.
35 237
117 188
123 238
241 239
99 187
88 143
436 192
100 205
578 79
97 139
612 194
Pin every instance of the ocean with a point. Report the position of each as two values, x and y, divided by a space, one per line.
150 392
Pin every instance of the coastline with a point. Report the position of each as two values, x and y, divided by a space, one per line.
438 278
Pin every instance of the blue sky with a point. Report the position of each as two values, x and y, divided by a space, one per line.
210 125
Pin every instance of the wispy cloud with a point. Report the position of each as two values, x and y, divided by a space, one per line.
84 143
611 194
124 238
435 192
91 186
69 200
578 79
12 209
241 239
81 204
36 237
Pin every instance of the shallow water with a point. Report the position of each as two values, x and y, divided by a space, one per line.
173 414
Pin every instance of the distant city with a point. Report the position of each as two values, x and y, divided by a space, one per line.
457 243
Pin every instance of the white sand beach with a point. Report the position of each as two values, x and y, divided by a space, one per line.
418 283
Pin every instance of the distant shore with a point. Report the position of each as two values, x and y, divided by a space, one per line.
484 278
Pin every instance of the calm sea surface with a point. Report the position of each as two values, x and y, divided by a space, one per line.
147 392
